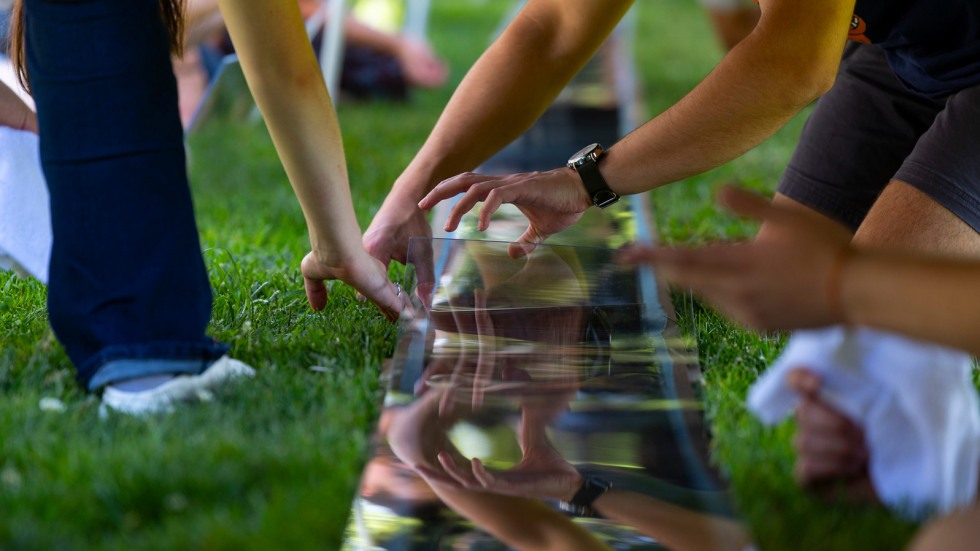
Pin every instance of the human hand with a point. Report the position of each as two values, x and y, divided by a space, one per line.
551 201
422 67
364 273
396 221
832 457
774 284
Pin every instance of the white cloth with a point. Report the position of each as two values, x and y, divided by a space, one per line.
25 221
915 402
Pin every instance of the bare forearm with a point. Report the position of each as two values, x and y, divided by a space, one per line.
930 299
14 112
762 83
511 85
288 87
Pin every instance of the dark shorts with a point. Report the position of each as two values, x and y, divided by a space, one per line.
869 130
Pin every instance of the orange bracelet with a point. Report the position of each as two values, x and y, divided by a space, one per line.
834 288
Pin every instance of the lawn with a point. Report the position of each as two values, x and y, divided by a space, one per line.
273 463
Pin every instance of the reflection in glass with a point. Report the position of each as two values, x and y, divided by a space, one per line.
517 379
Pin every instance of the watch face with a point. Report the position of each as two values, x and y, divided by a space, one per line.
590 151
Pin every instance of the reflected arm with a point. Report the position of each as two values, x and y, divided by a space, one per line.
677 528
520 522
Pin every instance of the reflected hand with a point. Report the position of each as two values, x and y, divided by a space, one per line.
831 452
551 201
468 380
789 283
542 473
364 273
417 433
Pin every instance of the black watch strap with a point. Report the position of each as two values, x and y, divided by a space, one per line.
587 167
581 503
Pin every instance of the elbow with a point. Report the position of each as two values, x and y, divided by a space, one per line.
806 84
818 82
796 76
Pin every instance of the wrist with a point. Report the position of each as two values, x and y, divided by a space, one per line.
590 490
585 163
330 252
574 486
834 289
582 197
416 181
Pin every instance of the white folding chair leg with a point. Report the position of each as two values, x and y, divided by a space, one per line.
416 18
332 46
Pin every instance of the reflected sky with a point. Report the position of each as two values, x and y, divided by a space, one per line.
518 377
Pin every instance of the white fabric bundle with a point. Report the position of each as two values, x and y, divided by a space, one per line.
915 402
25 220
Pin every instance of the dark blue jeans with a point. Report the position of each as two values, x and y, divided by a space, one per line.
128 293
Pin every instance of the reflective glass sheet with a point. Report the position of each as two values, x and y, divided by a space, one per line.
517 377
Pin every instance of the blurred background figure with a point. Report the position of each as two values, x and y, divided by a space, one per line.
732 20
377 64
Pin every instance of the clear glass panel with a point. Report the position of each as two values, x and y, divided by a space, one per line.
546 368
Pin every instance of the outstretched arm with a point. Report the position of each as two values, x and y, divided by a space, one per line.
505 91
814 278
790 59
933 299
284 77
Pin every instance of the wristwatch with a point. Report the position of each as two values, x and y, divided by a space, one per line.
581 503
586 163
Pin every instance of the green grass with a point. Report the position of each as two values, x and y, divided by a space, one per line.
273 463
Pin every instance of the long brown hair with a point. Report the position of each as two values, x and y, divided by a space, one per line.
171 11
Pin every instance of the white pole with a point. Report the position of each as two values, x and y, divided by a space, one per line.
416 18
332 46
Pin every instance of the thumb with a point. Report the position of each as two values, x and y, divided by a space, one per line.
316 293
526 243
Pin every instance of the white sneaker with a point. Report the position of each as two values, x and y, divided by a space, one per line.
182 388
